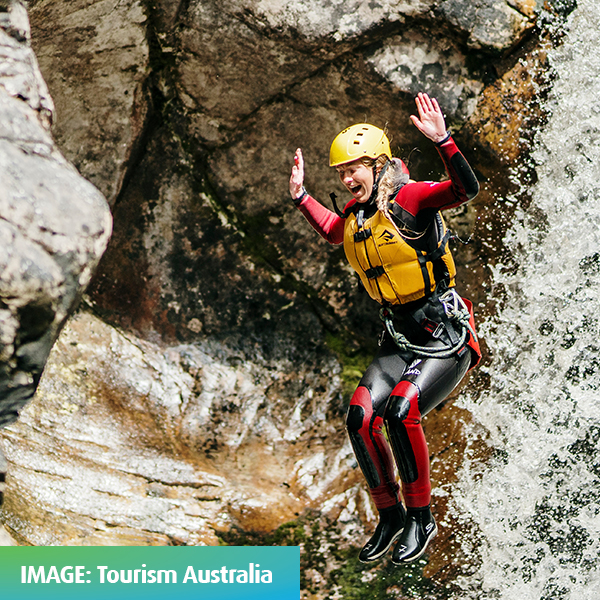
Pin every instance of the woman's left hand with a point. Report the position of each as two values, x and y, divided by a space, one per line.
430 121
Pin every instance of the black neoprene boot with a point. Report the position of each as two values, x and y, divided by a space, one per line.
391 522
419 530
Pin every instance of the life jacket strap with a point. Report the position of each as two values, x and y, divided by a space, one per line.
437 253
338 212
434 257
374 272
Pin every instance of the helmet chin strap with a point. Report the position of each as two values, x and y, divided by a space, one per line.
377 179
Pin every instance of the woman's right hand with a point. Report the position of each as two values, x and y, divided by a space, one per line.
297 177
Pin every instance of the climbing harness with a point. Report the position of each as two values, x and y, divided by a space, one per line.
454 308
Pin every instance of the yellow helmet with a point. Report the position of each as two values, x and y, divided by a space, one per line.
358 141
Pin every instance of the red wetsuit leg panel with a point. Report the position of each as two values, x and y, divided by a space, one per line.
408 442
365 428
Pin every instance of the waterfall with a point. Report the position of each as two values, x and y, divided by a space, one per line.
536 501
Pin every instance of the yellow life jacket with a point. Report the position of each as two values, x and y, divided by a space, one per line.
391 270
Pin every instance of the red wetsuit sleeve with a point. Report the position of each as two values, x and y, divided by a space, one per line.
462 186
324 221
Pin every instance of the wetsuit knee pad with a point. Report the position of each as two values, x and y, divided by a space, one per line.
404 397
397 412
358 418
355 418
360 410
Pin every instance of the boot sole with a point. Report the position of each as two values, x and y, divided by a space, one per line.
422 551
382 552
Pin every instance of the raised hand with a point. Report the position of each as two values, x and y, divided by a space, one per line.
430 121
297 177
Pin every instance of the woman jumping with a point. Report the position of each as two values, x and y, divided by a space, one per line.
395 239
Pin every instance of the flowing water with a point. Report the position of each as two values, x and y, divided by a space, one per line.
537 501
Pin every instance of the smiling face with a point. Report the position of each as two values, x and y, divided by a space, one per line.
357 179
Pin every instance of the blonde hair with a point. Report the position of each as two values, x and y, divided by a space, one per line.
393 179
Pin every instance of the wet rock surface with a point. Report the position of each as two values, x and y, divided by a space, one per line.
233 92
198 397
103 54
133 443
55 225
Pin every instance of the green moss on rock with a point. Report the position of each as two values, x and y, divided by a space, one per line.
354 362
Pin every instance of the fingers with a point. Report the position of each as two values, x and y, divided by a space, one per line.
416 121
426 105
430 122
420 105
298 168
299 159
429 103
422 127
297 176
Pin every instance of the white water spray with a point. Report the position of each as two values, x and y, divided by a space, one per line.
537 502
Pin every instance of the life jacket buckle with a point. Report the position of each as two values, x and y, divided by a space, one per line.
361 236
374 272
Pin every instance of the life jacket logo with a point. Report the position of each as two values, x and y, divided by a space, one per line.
388 237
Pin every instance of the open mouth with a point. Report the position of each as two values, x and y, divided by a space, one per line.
356 189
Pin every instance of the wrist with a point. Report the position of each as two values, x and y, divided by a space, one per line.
298 199
443 139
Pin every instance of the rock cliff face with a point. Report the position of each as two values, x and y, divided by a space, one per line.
199 393
54 225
